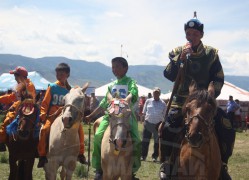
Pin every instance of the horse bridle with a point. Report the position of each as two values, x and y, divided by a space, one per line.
111 139
26 117
208 124
119 115
80 113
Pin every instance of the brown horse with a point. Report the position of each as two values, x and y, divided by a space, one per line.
199 153
22 145
116 147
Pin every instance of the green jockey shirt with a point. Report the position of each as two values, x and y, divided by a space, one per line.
122 87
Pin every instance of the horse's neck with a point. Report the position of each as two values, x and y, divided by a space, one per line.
63 140
58 124
58 128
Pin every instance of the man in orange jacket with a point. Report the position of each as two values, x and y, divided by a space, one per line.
20 74
51 104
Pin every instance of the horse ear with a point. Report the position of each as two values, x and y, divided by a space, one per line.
192 87
85 87
211 90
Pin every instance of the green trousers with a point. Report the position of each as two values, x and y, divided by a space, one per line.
96 156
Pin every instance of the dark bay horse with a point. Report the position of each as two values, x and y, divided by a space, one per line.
22 144
199 153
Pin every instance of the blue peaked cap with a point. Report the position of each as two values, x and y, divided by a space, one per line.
194 24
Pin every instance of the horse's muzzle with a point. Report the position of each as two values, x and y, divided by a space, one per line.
195 140
119 143
67 121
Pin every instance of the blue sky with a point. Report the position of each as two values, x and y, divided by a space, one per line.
94 30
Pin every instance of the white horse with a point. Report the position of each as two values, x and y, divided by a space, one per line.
64 142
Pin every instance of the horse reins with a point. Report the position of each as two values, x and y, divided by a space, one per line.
81 114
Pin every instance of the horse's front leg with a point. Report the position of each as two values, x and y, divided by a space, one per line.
13 168
51 169
25 168
29 168
69 166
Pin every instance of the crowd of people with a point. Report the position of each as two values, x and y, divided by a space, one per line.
201 63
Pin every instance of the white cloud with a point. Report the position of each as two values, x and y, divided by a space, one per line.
114 14
148 30
235 63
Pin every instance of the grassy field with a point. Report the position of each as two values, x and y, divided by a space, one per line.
238 163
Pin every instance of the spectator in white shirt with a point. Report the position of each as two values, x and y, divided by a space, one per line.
153 113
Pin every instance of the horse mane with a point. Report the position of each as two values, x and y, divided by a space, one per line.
201 96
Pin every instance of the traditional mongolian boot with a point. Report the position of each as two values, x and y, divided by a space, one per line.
224 172
98 175
134 177
42 161
82 159
165 171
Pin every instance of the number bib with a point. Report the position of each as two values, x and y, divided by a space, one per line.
121 90
57 94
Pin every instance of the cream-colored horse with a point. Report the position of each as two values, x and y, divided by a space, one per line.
64 142
116 147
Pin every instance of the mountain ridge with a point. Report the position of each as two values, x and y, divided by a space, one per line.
97 73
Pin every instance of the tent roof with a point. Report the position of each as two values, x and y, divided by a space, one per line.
142 91
230 89
227 90
7 81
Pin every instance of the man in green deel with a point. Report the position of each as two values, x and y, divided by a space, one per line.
127 89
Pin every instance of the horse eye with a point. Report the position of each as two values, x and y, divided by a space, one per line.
195 119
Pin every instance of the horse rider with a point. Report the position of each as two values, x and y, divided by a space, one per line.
50 106
20 74
202 64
